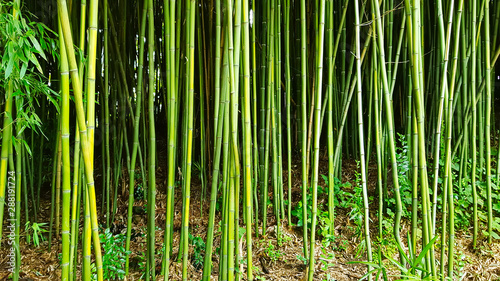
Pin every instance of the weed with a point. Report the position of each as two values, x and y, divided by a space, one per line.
405 184
322 216
141 258
414 270
139 188
113 259
302 259
326 259
139 192
329 277
199 250
283 239
35 230
356 202
460 264
272 253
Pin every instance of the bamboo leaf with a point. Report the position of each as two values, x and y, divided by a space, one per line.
37 46
10 66
26 146
24 67
424 251
372 264
34 60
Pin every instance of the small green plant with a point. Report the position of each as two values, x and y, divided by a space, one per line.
329 277
356 204
460 264
36 231
326 259
337 243
388 245
113 259
197 168
413 270
302 259
199 250
282 239
463 215
322 216
341 196
405 184
258 277
272 253
142 264
139 188
139 192
199 171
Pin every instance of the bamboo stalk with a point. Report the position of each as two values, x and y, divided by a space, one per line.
317 132
63 14
361 139
189 114
247 140
150 268
66 186
137 116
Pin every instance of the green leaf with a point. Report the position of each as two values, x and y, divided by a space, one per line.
10 66
374 265
493 234
325 178
27 147
24 67
20 55
369 273
37 46
34 60
401 267
424 251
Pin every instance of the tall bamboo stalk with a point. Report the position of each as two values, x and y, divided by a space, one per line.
68 40
6 143
361 139
137 116
66 161
247 141
317 131
488 78
389 122
191 8
303 70
150 268
172 132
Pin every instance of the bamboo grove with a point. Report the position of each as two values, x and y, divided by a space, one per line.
252 95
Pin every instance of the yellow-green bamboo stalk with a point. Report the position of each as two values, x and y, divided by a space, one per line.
66 186
361 138
247 141
190 97
317 131
77 90
6 143
91 72
488 78
140 71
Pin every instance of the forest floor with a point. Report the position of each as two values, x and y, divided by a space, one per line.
273 259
